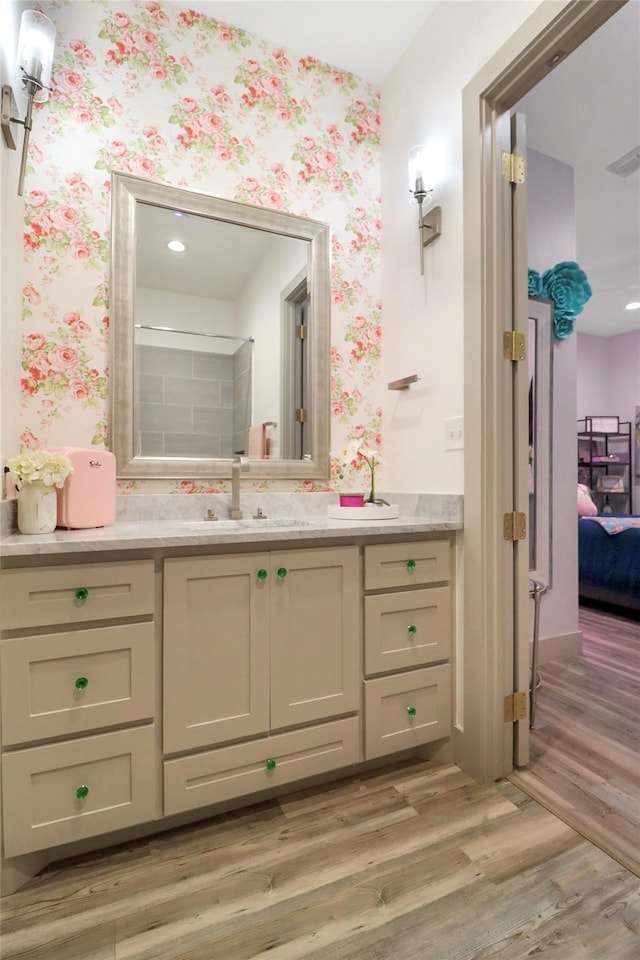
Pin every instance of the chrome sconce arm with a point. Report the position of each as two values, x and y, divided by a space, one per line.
429 223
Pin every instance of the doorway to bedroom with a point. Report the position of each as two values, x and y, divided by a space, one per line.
583 193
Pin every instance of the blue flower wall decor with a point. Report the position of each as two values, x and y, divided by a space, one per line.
567 285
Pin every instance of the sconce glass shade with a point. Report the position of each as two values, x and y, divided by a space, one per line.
417 167
36 44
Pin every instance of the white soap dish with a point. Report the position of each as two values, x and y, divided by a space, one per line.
367 514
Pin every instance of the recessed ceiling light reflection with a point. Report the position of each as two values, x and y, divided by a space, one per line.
176 246
634 305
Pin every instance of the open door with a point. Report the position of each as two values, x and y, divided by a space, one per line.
520 386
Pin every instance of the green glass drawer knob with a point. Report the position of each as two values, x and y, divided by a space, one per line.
411 711
412 629
270 764
81 683
411 564
81 594
282 572
262 574
82 792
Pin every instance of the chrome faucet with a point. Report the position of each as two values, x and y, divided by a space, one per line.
237 464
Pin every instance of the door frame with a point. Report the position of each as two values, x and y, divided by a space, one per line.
484 744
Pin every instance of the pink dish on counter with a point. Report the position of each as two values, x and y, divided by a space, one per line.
352 500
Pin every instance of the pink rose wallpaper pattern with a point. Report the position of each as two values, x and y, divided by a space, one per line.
165 92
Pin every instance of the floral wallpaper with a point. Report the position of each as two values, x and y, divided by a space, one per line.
162 91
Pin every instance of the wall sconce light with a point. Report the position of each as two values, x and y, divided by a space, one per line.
428 224
36 44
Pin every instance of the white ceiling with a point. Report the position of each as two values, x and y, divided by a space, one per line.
365 37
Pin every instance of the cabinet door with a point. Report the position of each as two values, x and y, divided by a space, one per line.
216 650
407 629
407 709
62 684
75 593
315 634
79 788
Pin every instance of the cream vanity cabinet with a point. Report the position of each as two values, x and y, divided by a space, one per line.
407 645
78 700
263 646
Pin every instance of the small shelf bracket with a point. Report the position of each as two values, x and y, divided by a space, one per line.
404 383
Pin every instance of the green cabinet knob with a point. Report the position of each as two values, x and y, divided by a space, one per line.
82 792
412 629
262 574
282 572
411 564
270 764
81 683
411 711
81 594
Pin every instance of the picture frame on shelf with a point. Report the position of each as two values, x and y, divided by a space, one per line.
602 424
610 484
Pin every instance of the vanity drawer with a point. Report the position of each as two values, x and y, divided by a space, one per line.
40 805
407 564
408 629
391 724
62 684
44 596
207 778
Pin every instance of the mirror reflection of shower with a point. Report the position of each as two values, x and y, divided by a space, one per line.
192 393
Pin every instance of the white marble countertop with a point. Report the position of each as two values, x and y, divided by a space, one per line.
166 522
198 533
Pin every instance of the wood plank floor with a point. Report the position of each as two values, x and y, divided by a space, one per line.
405 864
585 750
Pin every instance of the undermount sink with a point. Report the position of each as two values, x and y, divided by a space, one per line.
245 524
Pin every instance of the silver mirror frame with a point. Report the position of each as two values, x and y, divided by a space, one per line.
126 191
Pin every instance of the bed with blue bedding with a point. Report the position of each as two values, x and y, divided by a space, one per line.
609 560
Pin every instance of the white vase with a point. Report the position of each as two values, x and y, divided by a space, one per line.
37 508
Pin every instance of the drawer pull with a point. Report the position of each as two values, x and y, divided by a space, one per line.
82 792
282 572
270 764
411 711
411 564
412 629
261 574
81 594
81 683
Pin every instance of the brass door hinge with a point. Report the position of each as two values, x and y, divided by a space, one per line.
515 707
301 415
301 331
514 345
514 526
513 168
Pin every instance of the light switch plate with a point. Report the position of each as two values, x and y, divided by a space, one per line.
454 433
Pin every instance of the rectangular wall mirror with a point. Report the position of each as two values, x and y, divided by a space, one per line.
540 361
221 336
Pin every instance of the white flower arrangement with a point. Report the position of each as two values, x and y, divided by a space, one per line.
42 466
355 454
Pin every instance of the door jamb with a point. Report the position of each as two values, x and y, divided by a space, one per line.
484 744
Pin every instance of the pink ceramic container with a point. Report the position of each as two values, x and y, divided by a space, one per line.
352 500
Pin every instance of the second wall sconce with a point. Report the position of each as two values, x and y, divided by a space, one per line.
429 224
36 44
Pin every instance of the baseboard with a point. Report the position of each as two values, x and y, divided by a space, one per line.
559 648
